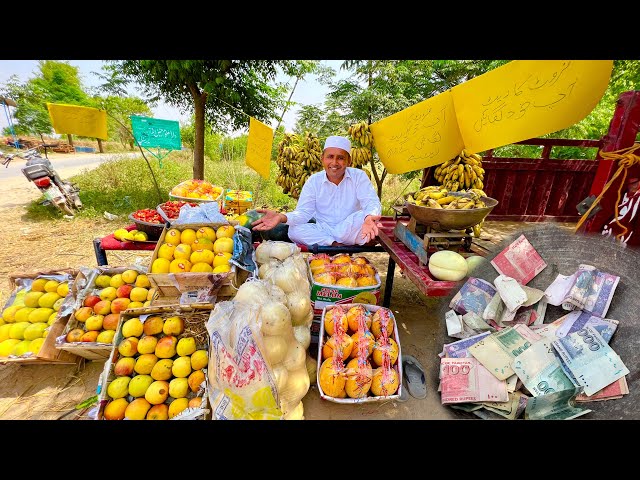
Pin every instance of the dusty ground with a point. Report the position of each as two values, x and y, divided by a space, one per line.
47 391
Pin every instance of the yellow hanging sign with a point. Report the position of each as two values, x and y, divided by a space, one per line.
75 120
422 135
526 99
521 100
259 146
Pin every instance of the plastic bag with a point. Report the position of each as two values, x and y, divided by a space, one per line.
206 212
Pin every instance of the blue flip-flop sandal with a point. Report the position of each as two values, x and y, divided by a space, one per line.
414 377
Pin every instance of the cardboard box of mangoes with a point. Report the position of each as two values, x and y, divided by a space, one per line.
187 253
108 291
158 367
34 315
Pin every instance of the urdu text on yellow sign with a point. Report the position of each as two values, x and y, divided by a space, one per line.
259 146
520 100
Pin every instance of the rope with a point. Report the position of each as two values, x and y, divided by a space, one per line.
626 159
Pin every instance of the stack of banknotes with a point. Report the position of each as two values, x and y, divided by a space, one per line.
507 361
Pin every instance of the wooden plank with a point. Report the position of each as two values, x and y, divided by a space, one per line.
412 242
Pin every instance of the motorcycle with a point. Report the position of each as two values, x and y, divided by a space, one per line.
40 171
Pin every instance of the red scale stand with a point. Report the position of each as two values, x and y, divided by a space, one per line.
101 245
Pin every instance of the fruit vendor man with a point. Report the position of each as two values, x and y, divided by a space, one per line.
341 199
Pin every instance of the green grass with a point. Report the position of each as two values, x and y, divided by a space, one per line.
122 186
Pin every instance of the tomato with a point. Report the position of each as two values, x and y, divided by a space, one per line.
147 215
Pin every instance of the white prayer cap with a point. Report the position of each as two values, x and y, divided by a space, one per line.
338 142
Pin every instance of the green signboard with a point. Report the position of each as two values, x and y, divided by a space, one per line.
156 133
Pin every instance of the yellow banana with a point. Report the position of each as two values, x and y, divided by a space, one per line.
446 200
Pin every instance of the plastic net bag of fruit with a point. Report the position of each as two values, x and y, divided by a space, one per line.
273 334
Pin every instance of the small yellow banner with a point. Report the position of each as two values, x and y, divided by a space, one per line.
520 100
75 120
527 98
420 136
259 146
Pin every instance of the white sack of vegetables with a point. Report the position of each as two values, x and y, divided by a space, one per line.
275 249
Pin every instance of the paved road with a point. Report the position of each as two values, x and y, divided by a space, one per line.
18 191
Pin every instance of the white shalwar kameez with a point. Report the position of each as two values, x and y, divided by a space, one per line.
339 210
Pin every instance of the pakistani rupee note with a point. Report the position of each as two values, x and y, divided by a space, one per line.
540 370
465 380
592 362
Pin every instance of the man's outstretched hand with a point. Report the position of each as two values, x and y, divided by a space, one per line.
369 229
269 220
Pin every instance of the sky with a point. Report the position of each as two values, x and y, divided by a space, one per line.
308 91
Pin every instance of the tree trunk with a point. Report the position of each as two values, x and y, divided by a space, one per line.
198 148
70 138
100 146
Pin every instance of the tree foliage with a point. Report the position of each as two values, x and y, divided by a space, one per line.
222 92
55 82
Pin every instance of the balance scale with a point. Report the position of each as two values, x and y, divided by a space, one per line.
425 239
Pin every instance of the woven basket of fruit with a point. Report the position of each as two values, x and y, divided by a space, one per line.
149 221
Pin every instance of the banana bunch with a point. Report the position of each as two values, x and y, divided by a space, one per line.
361 144
298 158
463 171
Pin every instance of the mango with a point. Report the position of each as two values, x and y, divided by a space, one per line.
115 410
132 328
119 387
7 346
9 313
181 367
31 299
63 289
124 366
128 347
21 348
166 347
103 281
22 315
38 285
36 345
17 330
195 380
153 325
157 392
138 294
137 410
40 315
52 318
35 330
58 304
158 412
173 326
178 387
177 406
4 332
106 336
199 359
142 281
139 384
129 276
195 402
116 280
162 370
145 363
51 286
186 346
48 299
147 344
